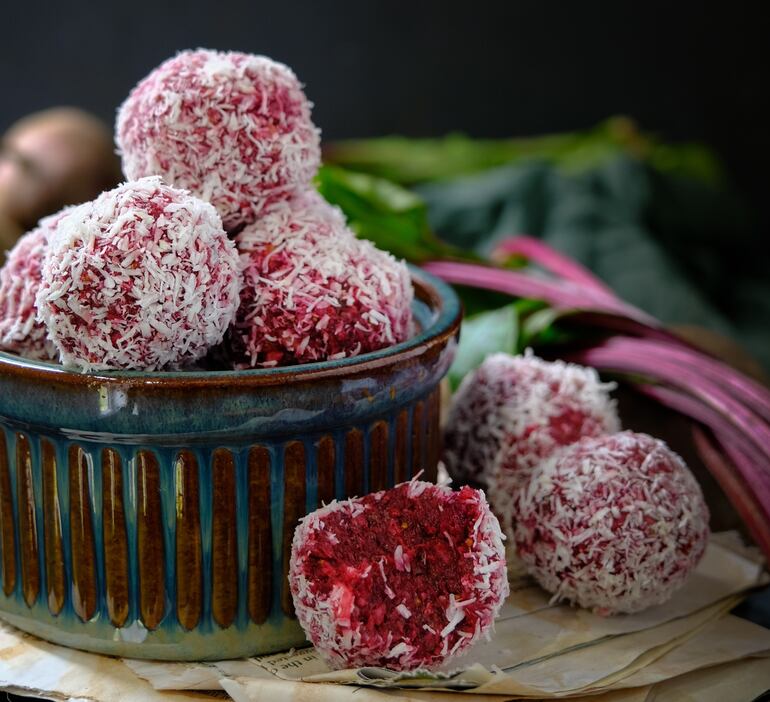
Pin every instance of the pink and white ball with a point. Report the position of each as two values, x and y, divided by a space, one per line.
20 331
614 524
313 292
232 128
142 278
404 578
514 412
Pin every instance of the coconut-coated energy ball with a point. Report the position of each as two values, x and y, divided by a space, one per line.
20 332
514 411
232 128
404 578
312 291
613 523
142 278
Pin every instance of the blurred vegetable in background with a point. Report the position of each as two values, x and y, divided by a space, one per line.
627 236
658 223
625 343
410 161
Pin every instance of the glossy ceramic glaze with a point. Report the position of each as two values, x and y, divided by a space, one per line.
151 515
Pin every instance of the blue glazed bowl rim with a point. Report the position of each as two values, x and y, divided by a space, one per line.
439 296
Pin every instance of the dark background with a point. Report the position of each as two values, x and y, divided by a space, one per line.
684 70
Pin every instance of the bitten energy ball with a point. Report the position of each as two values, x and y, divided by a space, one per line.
142 278
405 578
20 332
613 523
515 411
313 292
232 128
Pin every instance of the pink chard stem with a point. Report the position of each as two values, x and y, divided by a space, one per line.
551 260
740 493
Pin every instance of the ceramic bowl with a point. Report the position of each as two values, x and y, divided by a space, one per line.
151 515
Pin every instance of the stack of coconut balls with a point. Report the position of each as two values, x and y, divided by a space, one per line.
611 520
217 242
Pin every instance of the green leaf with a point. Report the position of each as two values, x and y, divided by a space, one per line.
392 217
484 334
395 219
540 327
477 300
411 161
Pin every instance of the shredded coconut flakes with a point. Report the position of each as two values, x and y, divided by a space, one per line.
142 278
232 128
313 292
614 524
422 630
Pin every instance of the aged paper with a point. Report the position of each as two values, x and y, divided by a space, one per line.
538 651
726 639
29 666
528 627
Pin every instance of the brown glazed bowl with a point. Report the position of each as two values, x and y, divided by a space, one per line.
150 515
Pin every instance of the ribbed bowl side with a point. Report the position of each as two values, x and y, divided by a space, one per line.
159 550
